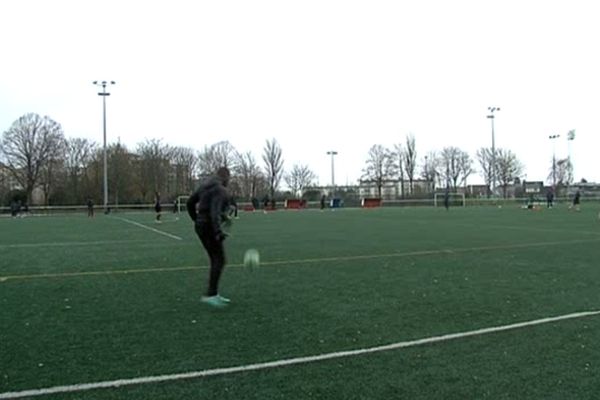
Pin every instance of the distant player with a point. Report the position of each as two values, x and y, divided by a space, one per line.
90 208
550 198
576 201
15 208
323 198
206 207
265 203
233 208
157 206
531 202
447 199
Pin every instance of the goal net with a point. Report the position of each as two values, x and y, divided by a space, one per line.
454 199
181 203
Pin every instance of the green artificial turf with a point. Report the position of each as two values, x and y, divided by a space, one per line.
88 300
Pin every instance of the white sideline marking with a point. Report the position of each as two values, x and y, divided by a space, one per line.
150 229
529 228
107 272
285 362
416 253
67 244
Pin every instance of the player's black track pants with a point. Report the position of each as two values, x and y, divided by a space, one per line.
216 254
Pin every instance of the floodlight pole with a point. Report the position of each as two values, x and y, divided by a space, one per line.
332 153
104 93
493 172
552 137
427 174
570 138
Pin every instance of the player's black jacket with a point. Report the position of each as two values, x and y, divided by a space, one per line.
207 203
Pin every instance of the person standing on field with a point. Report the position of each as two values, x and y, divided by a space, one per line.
576 201
157 206
90 208
447 199
207 207
550 198
233 207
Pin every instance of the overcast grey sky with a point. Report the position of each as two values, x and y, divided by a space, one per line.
316 75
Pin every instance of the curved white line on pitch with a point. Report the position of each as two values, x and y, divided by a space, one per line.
290 361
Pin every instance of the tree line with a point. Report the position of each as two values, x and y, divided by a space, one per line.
449 169
36 154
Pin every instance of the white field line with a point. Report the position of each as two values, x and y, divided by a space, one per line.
418 253
108 272
529 228
289 361
67 244
150 229
435 252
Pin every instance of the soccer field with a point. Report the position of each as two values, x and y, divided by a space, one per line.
414 303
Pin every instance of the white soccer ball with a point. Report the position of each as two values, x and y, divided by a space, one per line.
251 258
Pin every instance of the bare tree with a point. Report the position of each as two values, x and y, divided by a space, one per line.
410 160
183 163
122 178
561 172
456 166
508 168
272 157
400 167
486 161
28 146
247 179
215 156
79 155
4 187
51 172
465 165
430 171
153 167
299 178
380 167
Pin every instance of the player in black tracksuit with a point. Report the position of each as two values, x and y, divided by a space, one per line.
90 207
157 206
447 199
206 207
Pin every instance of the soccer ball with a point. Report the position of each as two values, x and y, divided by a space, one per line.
251 258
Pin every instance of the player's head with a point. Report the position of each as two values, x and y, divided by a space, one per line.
223 175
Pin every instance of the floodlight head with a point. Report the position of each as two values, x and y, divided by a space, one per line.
112 82
95 82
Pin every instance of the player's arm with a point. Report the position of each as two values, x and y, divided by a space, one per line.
191 205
